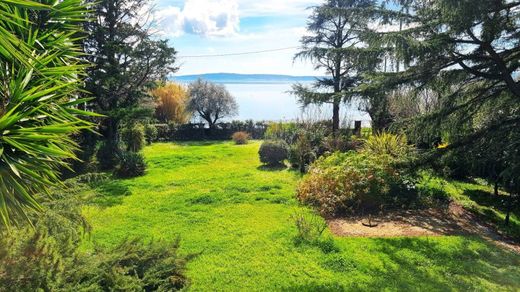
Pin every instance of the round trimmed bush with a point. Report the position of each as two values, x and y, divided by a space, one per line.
273 152
131 164
240 138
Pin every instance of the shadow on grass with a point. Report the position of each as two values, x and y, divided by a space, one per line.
462 260
487 199
110 193
202 143
422 264
275 167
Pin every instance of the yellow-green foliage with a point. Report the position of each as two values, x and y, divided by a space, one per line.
395 146
172 100
282 131
47 257
41 71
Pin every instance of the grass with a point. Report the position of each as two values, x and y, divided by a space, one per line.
238 216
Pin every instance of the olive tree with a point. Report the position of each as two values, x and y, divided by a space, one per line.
211 101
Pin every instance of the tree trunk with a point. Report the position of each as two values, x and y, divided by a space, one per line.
508 211
111 134
335 118
496 188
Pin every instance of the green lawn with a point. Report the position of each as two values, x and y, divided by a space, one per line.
237 214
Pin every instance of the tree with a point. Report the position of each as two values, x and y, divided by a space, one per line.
333 45
127 62
211 101
40 77
172 101
468 51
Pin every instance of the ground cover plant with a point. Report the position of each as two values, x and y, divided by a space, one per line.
243 220
47 256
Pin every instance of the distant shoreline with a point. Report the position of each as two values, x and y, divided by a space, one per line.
232 78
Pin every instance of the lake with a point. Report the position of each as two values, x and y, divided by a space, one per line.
273 102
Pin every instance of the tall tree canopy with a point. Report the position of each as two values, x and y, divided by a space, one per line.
211 102
127 61
467 52
40 77
335 29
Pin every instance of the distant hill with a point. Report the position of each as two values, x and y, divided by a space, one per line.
244 78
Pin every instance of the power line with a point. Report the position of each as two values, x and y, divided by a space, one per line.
238 54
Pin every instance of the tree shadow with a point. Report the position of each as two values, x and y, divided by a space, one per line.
487 199
423 264
110 193
275 167
463 259
201 143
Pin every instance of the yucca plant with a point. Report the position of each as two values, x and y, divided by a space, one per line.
40 80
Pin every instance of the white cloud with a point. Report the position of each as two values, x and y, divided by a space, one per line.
200 17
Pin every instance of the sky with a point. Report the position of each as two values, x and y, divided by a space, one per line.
209 27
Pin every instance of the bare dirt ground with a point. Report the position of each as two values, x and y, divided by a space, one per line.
455 220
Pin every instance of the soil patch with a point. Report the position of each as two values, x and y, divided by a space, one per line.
454 220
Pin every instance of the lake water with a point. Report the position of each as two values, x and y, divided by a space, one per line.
273 102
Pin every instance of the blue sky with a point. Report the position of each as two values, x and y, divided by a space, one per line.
207 27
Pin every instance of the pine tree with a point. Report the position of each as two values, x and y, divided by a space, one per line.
127 61
333 46
468 52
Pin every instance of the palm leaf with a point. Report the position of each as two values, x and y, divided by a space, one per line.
39 84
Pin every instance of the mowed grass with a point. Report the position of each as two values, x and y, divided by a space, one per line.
237 215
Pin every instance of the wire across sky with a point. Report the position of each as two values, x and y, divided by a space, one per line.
238 54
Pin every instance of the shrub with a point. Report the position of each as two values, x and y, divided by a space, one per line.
164 132
134 265
352 183
47 256
131 164
150 133
107 155
240 138
273 152
453 164
134 137
309 227
302 153
396 146
287 132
